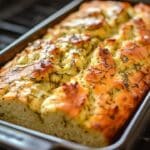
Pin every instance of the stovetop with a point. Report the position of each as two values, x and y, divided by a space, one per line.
18 16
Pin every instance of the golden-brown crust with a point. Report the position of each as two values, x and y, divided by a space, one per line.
143 11
104 69
70 98
94 67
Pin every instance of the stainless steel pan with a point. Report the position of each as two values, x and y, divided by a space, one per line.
18 137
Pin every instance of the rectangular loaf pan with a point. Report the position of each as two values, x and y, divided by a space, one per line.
18 137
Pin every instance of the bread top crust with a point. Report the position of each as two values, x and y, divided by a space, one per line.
93 66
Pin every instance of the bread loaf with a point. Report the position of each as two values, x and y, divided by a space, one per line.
85 77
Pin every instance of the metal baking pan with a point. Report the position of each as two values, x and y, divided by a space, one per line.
17 137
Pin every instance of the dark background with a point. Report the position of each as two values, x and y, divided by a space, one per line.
18 16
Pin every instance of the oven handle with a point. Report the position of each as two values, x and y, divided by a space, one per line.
15 139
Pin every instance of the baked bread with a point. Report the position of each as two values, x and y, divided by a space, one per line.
85 77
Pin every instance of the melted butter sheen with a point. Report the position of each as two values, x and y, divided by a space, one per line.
85 22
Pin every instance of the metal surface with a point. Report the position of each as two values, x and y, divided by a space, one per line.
20 16
24 136
138 1
14 138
